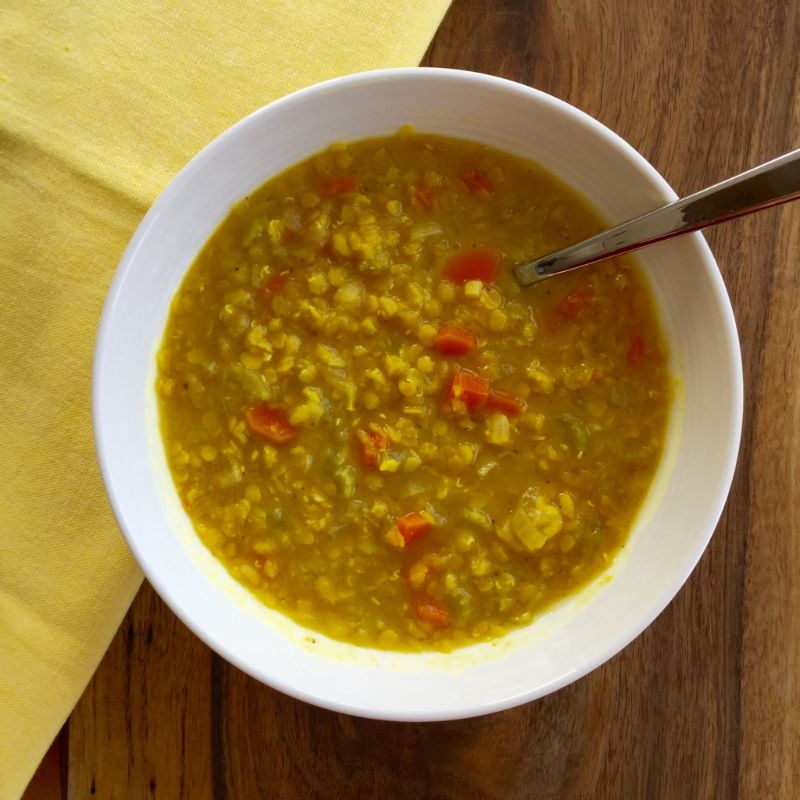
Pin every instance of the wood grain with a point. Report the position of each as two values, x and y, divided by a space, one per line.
706 703
143 727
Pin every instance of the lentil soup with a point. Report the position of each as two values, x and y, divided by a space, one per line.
375 429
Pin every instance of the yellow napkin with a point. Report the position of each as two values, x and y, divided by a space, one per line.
100 105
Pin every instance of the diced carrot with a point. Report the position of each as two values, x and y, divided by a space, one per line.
475 180
471 389
424 197
636 351
271 423
507 403
341 185
453 340
574 304
413 525
480 264
373 443
431 611
275 284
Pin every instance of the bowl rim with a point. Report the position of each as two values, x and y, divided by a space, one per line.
262 672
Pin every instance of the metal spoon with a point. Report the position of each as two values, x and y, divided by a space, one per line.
773 183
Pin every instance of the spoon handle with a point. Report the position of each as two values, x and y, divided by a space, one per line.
770 184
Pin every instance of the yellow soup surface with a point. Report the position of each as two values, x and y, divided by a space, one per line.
375 429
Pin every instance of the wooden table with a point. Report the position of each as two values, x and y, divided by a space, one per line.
706 703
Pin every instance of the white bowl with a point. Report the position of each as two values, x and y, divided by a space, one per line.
575 637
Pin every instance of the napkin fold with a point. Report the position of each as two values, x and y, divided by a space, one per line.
100 105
